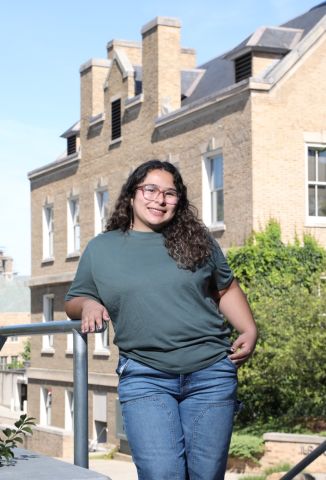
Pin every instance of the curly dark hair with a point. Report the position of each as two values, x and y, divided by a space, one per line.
186 237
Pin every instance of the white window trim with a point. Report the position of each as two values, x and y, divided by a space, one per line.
311 221
69 409
206 192
48 240
71 239
70 341
101 343
47 340
45 406
98 227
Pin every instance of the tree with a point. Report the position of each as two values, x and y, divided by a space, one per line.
286 379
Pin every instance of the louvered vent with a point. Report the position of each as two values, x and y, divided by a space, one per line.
71 145
243 67
116 119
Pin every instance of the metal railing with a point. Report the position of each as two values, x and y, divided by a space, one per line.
80 374
305 462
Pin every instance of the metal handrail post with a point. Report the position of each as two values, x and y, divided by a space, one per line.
80 399
305 462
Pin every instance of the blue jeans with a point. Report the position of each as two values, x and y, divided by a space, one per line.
178 426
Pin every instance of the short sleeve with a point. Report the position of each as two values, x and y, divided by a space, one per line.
83 284
222 273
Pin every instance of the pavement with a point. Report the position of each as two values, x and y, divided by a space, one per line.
122 468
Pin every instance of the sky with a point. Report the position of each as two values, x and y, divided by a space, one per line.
43 44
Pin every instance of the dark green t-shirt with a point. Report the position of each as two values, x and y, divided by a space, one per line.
162 315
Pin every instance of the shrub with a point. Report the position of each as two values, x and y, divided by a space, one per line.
246 447
12 436
286 379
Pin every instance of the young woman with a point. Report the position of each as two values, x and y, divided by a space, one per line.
164 282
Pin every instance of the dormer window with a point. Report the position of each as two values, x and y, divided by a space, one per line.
243 67
71 145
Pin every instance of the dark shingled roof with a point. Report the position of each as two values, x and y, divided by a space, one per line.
220 71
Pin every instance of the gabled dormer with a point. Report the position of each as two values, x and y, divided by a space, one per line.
262 50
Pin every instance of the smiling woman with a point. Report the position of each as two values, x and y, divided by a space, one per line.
158 275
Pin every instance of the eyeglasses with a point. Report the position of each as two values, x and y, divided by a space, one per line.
152 192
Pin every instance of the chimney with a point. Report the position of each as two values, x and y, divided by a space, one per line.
161 54
92 77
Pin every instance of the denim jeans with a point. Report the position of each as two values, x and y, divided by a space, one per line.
178 426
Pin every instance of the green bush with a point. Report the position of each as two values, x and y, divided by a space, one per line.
285 381
246 447
12 436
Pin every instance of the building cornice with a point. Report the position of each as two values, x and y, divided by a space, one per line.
51 279
63 163
95 62
66 376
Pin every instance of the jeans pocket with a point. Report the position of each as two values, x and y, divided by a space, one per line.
232 363
122 364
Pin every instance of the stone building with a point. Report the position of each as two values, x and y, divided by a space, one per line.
248 133
14 309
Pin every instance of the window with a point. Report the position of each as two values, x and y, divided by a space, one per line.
317 184
14 339
45 405
116 119
102 342
213 191
243 67
71 145
73 234
70 340
47 340
3 362
101 210
47 232
69 410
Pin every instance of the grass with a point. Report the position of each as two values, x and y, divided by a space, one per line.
282 467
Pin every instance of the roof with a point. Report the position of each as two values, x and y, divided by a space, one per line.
219 72
14 295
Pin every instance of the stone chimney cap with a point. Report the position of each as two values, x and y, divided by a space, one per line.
164 21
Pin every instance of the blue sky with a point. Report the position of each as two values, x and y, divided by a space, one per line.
43 44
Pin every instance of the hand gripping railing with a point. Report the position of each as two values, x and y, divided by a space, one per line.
305 462
80 375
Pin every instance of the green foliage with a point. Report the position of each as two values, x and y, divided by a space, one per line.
282 467
246 447
12 436
26 354
285 381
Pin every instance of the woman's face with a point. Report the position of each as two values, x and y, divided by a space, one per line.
152 215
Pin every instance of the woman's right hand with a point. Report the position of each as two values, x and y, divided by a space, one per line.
92 316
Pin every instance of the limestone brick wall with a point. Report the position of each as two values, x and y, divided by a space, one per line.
291 449
262 60
161 64
281 123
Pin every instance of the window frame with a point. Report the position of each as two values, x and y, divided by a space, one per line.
313 220
73 226
48 231
207 191
48 316
100 210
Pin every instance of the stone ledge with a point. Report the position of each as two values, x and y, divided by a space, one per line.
29 466
292 438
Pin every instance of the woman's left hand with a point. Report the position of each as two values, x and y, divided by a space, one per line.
243 347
